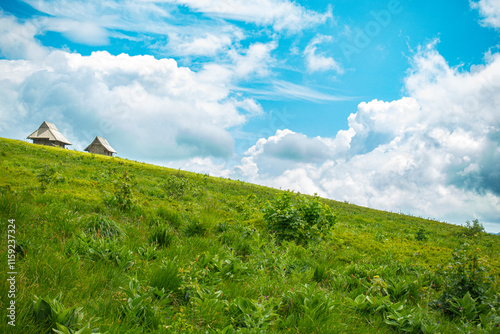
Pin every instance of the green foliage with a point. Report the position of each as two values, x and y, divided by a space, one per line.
476 228
308 304
253 314
467 280
378 287
466 307
51 312
232 275
195 228
299 218
166 278
106 250
123 196
421 235
177 187
161 235
138 307
100 226
49 176
169 216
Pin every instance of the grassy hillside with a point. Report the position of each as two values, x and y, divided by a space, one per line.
128 247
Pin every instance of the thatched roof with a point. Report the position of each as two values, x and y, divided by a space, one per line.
49 131
103 142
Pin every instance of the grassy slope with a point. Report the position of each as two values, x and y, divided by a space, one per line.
366 243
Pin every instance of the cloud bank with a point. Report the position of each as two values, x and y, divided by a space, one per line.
152 107
435 152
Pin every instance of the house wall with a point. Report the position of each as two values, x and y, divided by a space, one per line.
47 142
99 149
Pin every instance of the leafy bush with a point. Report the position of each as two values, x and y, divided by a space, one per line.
176 187
100 226
123 197
421 235
299 218
467 274
475 228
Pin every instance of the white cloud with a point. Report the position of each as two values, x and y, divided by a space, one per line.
256 60
140 104
17 40
434 153
95 22
206 45
281 14
490 10
319 62
83 32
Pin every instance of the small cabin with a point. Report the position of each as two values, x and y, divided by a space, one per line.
100 146
47 134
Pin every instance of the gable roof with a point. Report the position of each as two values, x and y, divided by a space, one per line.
103 142
49 131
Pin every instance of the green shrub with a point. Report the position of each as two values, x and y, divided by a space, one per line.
123 196
476 228
299 218
421 235
466 274
176 187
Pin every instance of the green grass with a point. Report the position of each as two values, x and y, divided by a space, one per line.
131 248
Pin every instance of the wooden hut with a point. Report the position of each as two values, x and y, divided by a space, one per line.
47 134
100 146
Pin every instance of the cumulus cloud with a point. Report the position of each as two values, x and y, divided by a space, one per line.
140 104
319 62
490 10
433 153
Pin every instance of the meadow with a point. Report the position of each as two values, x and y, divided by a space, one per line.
109 245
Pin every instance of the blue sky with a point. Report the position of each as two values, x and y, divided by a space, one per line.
387 104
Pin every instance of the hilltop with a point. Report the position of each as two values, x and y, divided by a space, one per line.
128 247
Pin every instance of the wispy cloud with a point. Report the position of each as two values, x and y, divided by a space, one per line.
317 61
280 90
299 92
281 14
